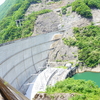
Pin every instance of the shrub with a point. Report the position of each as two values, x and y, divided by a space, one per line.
84 11
93 3
81 8
84 90
63 10
76 4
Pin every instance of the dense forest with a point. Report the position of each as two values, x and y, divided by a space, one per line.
8 29
84 90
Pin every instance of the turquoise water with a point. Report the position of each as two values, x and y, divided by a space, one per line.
89 76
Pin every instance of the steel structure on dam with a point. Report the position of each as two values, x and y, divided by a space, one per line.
21 58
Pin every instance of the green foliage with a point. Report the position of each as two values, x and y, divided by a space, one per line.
70 41
28 24
76 4
6 6
9 6
58 60
85 90
13 9
93 3
76 65
82 7
88 41
64 67
8 29
64 8
84 11
16 10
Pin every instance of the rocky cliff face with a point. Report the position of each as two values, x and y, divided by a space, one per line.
46 23
62 53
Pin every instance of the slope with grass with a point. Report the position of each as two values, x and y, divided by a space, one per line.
83 90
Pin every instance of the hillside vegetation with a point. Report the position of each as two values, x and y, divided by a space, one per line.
16 9
6 6
84 90
88 41
83 7
8 29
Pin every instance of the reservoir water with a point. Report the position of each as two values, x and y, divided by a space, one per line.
89 76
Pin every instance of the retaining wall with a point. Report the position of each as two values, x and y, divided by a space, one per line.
19 59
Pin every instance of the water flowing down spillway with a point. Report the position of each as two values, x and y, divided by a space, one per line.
89 76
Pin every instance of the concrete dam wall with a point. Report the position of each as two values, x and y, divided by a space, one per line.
22 58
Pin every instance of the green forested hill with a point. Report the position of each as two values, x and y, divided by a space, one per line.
8 29
9 4
6 6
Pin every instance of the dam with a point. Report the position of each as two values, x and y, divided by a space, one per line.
21 58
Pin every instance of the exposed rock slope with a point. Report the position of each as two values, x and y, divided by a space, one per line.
46 23
63 53
50 22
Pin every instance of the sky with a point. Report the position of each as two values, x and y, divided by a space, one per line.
1 1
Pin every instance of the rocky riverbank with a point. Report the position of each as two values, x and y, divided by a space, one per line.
86 69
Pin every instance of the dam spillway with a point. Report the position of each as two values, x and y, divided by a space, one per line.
21 58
